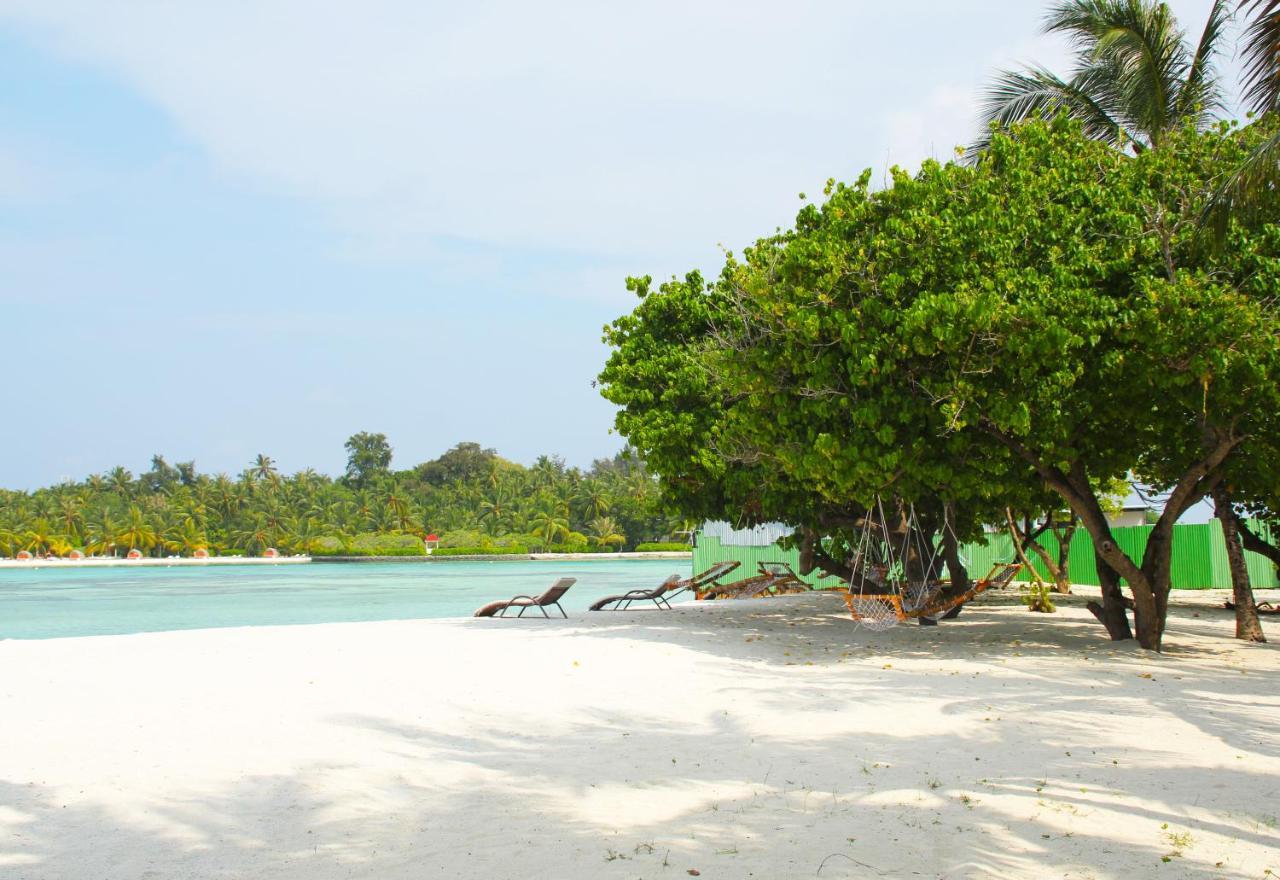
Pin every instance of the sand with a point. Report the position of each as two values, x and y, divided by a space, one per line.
764 739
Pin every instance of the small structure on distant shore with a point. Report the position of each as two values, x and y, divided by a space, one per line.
201 553
75 554
24 555
432 541
271 553
135 553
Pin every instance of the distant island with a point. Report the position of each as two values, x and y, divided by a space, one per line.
468 501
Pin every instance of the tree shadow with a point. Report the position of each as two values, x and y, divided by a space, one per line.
967 750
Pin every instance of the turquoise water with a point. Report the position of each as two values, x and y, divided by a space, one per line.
54 603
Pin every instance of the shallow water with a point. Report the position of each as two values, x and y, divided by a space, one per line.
54 603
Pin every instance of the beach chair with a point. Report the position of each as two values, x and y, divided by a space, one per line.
774 576
623 601
524 603
673 586
704 580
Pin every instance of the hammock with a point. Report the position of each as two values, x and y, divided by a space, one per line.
879 612
885 596
876 612
882 595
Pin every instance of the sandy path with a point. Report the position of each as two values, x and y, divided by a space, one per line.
742 739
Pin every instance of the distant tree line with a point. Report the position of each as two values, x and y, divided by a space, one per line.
470 497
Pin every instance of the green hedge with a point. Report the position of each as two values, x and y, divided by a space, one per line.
328 546
370 544
656 547
505 550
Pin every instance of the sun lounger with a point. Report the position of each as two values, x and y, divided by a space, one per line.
774 576
668 589
524 603
624 600
704 580
673 586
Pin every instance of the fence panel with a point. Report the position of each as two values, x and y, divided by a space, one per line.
1199 556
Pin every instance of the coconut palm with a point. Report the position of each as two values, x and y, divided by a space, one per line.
264 468
138 533
1260 171
605 533
550 523
495 512
42 537
1135 79
186 537
101 533
121 481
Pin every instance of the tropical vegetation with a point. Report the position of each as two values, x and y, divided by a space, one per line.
470 498
1014 333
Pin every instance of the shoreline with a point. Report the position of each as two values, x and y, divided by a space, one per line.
147 562
513 557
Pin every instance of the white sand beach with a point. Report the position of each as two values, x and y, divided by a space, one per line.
765 739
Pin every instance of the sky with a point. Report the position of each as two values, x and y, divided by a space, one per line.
260 227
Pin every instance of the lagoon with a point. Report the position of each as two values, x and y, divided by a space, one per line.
53 603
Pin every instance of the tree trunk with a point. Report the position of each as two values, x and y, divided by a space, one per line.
1112 612
1016 535
1151 588
956 568
1248 627
1062 575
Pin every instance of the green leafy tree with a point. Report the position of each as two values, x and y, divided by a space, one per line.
898 343
368 458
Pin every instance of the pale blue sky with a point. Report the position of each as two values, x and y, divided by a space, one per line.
237 228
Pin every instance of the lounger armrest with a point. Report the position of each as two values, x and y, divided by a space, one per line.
515 599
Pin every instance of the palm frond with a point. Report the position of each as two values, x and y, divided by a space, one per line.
1243 189
1201 93
1146 46
1015 96
1261 54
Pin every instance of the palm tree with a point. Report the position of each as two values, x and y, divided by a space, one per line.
1260 170
264 468
495 512
605 533
121 480
186 536
71 516
1135 77
138 533
550 523
101 534
43 537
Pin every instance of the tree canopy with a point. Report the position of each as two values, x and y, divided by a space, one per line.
965 339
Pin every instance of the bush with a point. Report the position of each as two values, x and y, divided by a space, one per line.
504 550
657 547
328 546
372 544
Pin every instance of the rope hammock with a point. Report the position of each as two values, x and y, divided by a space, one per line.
881 594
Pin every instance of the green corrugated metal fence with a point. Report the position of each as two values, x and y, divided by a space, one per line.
1199 556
